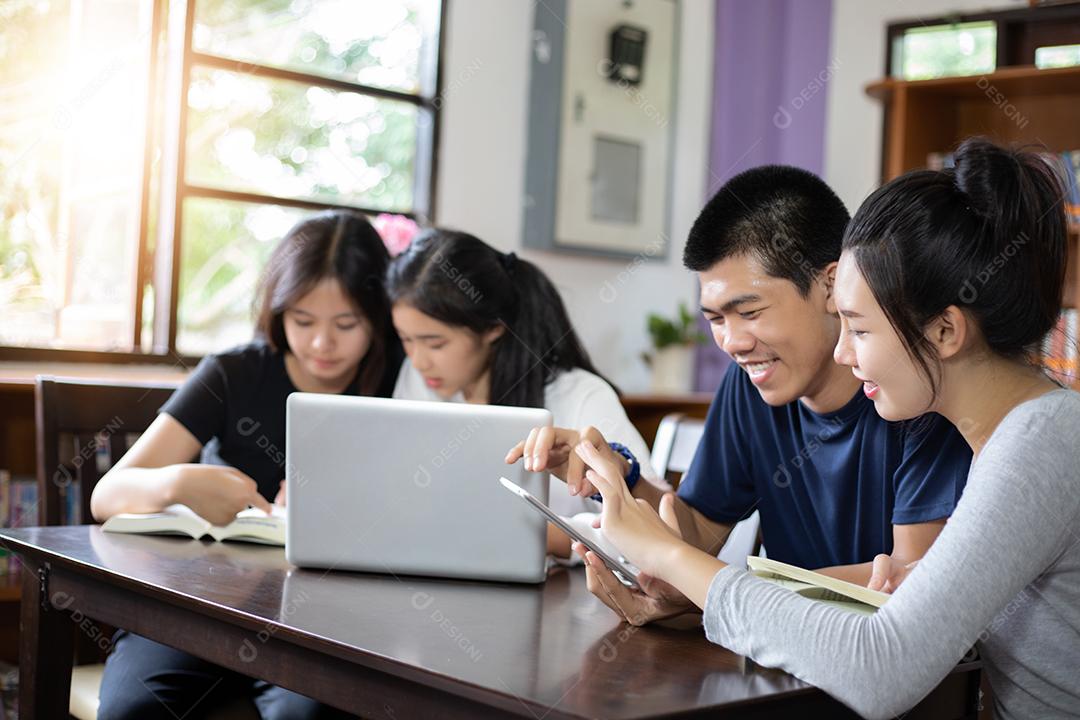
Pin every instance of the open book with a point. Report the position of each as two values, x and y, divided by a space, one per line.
816 586
250 525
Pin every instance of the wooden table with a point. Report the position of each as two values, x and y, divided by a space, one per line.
385 646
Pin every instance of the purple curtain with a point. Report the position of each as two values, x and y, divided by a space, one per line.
771 72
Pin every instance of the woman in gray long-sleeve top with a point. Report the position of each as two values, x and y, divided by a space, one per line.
948 281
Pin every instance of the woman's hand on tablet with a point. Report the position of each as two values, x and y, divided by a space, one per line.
644 537
551 449
652 541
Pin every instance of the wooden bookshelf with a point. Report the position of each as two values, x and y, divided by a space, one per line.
10 587
17 453
1013 105
10 592
1021 105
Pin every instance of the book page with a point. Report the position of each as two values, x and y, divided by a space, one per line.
818 594
250 525
254 525
173 520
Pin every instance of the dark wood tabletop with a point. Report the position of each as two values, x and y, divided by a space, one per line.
385 645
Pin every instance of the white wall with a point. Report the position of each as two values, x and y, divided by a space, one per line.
482 155
854 120
482 169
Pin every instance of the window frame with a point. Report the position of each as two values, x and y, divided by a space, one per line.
1019 31
158 267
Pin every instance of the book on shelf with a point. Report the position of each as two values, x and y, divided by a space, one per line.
1069 168
818 587
71 504
940 161
5 485
18 508
1061 349
250 525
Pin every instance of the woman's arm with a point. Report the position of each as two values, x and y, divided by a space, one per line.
158 471
1000 539
144 479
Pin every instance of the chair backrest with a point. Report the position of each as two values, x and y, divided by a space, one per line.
677 440
83 427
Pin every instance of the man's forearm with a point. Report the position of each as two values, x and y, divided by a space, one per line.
858 574
910 542
702 533
648 492
696 529
558 542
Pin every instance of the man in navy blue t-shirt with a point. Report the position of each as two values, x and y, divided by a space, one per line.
790 432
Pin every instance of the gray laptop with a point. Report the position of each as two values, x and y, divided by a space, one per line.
411 487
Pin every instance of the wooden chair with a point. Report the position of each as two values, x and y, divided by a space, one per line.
677 440
83 428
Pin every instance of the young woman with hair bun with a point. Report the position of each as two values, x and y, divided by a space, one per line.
948 282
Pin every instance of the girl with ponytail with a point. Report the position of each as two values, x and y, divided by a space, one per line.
487 327
947 284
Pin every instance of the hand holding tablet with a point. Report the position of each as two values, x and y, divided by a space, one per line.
623 570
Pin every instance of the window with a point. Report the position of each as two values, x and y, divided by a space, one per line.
983 42
1057 56
120 232
68 117
952 50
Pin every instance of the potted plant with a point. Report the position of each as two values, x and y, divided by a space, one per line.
672 356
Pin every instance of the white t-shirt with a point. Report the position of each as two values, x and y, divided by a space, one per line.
576 398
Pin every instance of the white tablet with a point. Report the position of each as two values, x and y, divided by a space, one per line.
624 571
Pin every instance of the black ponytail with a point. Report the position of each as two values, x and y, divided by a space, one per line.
460 280
988 236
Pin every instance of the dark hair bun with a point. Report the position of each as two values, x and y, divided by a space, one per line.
988 235
1020 193
987 175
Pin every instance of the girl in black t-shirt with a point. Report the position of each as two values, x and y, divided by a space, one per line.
323 326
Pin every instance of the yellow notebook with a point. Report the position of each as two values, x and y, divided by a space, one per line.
816 586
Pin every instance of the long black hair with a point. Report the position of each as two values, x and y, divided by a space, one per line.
462 281
988 236
341 245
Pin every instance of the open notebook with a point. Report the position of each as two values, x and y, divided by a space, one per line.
250 525
816 586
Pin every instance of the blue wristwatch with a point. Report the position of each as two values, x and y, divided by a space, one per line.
635 468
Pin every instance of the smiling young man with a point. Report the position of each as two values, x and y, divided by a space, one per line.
790 432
